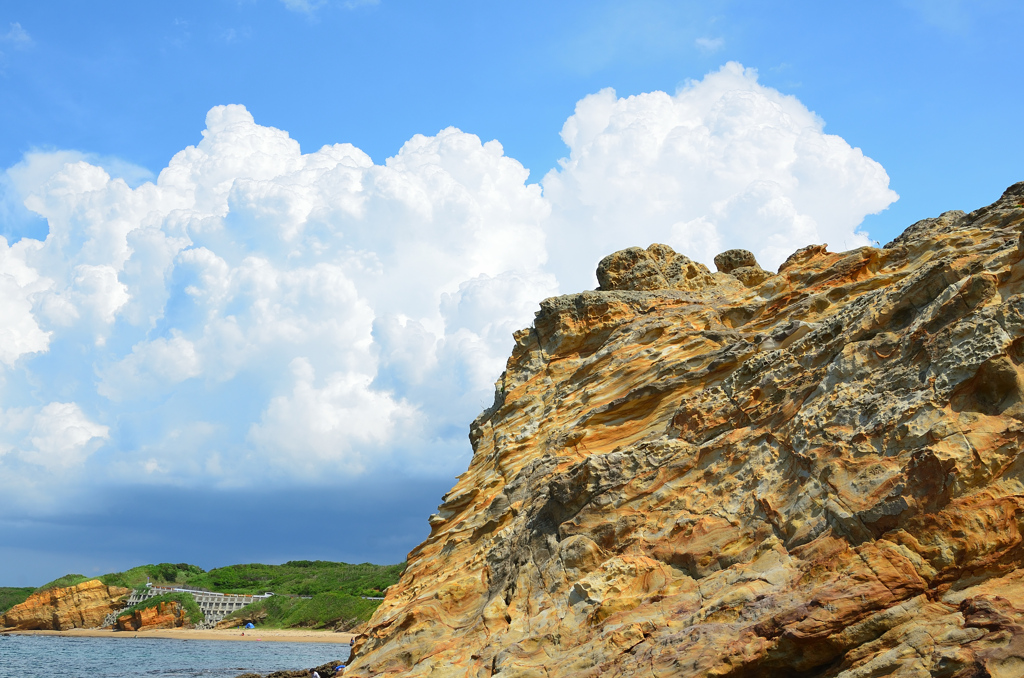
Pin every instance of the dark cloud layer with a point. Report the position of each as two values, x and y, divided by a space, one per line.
377 523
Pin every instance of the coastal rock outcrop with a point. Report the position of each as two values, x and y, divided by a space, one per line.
166 615
256 617
742 265
59 609
659 267
325 670
691 474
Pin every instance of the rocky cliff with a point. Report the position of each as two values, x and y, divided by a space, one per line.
685 473
166 615
59 609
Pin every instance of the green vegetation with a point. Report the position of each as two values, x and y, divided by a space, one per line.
12 595
195 615
332 591
324 610
302 578
60 582
164 573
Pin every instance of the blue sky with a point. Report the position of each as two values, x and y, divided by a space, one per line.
287 345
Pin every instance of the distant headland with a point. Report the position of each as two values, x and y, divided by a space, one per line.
311 595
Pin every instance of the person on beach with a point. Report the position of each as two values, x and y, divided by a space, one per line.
316 675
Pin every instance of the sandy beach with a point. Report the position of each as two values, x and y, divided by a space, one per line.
250 635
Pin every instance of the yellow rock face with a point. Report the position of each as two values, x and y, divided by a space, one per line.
818 474
167 615
60 609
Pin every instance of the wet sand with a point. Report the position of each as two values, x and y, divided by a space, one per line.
251 635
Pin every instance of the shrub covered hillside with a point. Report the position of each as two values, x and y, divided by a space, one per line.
13 595
329 610
302 578
310 593
163 573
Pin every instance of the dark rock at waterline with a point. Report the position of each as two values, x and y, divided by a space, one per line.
325 670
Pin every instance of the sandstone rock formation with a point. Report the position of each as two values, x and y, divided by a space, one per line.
60 609
250 616
819 475
742 265
165 615
658 267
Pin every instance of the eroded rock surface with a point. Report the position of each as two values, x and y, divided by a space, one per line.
742 265
659 267
59 609
166 615
818 475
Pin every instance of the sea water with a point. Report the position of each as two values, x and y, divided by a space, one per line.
67 657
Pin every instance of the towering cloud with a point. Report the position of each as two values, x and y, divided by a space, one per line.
257 314
725 162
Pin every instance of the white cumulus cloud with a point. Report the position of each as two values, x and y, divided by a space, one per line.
259 314
699 169
20 284
150 367
56 437
342 422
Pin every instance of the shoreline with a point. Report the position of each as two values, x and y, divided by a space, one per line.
251 635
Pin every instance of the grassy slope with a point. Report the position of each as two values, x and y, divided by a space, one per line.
164 573
334 589
338 611
302 578
60 582
11 596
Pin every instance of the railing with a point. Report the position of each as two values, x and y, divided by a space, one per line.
214 610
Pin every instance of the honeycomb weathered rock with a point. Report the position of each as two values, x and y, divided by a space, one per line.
818 476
